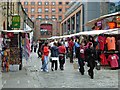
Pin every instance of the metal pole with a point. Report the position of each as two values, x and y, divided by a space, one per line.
7 14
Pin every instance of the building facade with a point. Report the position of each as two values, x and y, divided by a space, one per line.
42 9
46 16
80 13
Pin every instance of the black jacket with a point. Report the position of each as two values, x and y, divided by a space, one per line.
54 51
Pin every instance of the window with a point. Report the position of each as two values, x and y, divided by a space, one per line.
46 9
46 17
26 9
53 3
46 3
39 10
32 10
60 10
39 16
32 3
53 9
32 17
60 17
25 3
60 3
67 3
53 16
39 3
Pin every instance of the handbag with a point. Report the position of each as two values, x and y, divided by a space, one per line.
42 58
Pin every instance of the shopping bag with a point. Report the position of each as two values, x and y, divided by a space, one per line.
75 64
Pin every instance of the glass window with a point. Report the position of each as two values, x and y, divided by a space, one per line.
25 3
39 16
60 17
46 3
39 10
53 9
32 10
67 3
32 3
39 3
60 10
53 16
46 17
32 17
60 3
26 9
53 3
46 9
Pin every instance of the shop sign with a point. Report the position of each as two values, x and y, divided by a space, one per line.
16 21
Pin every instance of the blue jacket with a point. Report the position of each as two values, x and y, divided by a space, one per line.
54 51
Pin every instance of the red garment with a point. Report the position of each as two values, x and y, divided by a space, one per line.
113 60
46 50
102 41
103 59
82 52
71 44
62 49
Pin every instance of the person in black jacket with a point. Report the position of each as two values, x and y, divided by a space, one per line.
91 58
54 56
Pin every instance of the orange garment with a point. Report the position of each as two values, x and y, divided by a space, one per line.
111 25
110 43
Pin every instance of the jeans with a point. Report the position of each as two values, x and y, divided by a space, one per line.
81 64
45 65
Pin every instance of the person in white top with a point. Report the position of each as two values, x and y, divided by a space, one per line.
66 45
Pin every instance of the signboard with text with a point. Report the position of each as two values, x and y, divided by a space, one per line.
16 21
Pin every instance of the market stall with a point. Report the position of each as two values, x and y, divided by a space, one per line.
12 49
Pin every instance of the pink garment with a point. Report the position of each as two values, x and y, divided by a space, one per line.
113 60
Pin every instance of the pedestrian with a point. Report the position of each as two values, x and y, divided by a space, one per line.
39 51
46 60
91 59
54 56
81 58
71 45
66 46
35 46
62 51
76 48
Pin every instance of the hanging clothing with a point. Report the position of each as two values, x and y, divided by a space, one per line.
118 43
110 43
113 60
102 41
103 59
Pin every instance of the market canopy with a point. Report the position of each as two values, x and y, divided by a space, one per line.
92 22
93 32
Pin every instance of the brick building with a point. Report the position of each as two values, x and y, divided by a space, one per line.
48 14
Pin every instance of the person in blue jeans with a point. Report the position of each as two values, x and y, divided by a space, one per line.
46 53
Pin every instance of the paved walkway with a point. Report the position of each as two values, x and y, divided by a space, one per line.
32 77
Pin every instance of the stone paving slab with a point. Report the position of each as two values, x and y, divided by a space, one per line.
32 77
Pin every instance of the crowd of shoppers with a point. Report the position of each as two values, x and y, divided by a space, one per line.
61 49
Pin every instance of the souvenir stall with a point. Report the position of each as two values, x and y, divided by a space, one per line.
12 52
108 42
